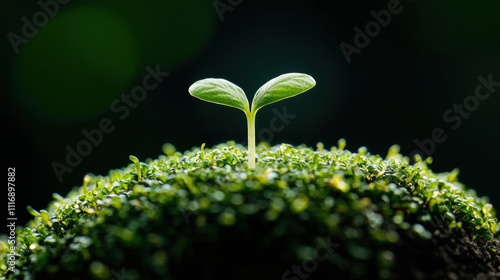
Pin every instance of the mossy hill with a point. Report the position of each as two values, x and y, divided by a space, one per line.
301 214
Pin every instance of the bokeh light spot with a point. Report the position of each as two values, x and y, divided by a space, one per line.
76 65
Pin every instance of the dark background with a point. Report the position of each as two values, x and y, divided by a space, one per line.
65 78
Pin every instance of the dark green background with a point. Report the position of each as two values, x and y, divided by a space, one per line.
65 78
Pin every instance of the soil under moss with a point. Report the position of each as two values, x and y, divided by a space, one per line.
301 214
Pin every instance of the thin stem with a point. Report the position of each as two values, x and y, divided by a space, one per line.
251 140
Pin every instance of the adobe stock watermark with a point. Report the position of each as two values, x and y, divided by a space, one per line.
122 275
362 38
29 29
277 123
222 7
122 107
455 116
309 266
186 215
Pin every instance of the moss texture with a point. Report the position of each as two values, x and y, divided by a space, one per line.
301 214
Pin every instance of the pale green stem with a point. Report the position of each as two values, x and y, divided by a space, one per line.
251 140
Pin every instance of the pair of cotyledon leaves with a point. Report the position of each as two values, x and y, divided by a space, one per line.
223 92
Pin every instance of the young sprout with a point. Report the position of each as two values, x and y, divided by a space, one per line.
137 166
223 92
86 181
33 211
202 153
59 198
45 218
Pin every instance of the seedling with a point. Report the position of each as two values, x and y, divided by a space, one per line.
135 160
45 217
223 92
33 211
86 181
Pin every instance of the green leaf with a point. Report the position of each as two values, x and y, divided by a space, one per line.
220 91
135 160
33 211
45 217
281 87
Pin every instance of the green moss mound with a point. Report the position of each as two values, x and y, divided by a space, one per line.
301 214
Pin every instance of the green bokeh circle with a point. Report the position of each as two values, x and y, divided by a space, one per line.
76 65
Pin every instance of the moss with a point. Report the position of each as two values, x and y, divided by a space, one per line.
301 214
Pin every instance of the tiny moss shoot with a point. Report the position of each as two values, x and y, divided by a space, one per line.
86 181
135 160
59 198
223 92
202 153
33 212
45 218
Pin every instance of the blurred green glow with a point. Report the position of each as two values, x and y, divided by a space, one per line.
77 64
86 56
449 25
168 32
